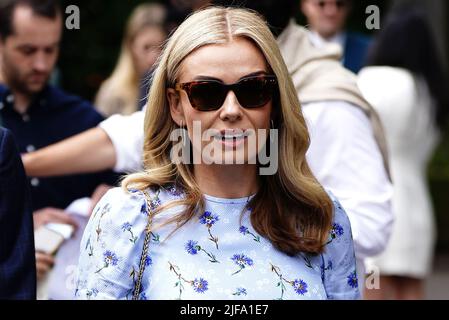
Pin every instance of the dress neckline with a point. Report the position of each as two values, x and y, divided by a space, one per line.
228 200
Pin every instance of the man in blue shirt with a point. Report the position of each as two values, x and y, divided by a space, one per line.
17 265
326 20
38 114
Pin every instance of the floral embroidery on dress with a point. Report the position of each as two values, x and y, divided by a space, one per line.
127 227
325 268
241 250
105 210
199 285
91 293
155 237
352 280
337 231
240 292
298 285
148 261
242 261
192 247
209 220
244 230
307 260
90 247
175 191
109 258
154 203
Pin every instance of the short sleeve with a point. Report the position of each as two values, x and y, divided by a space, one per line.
111 247
338 261
126 134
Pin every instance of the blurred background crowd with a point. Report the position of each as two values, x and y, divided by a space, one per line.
109 60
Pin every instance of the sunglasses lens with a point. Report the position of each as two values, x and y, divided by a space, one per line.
250 92
206 96
255 92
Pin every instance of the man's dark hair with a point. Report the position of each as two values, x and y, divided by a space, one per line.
277 12
45 8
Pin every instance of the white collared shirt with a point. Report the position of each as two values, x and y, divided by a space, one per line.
319 42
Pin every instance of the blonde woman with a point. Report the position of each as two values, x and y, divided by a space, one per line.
142 43
209 230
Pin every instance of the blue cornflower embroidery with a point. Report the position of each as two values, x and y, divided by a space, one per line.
127 227
109 258
244 230
143 209
148 261
337 231
154 203
242 261
300 286
352 280
192 247
91 293
200 285
175 191
209 220
240 292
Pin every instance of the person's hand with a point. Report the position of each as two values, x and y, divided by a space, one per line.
44 263
99 192
52 215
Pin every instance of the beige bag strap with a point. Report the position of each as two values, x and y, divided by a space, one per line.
146 244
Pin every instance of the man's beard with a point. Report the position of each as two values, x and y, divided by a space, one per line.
18 82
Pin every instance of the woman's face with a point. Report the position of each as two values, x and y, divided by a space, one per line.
146 48
231 129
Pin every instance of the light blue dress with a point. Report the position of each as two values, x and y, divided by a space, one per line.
213 256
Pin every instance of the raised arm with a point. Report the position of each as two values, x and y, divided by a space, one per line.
90 151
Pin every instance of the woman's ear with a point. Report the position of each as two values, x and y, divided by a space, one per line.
174 101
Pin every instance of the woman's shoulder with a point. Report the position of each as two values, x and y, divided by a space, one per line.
120 199
340 219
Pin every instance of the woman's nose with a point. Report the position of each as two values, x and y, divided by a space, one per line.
231 109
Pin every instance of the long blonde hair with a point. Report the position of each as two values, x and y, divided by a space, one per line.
120 92
291 208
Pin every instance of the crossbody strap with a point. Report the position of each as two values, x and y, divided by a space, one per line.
146 244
